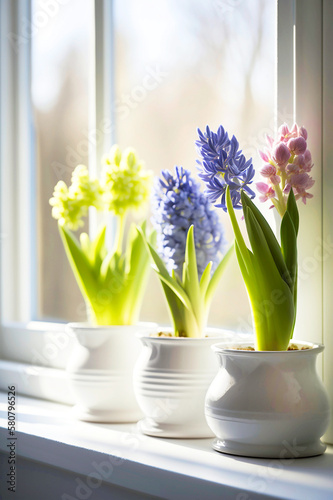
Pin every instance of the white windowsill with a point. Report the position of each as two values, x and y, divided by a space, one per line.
48 434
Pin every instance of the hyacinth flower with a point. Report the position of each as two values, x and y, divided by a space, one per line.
269 268
223 165
188 256
288 164
112 282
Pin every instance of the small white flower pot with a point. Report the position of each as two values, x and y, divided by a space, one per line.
100 370
171 378
268 404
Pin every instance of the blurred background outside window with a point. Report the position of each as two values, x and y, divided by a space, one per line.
60 75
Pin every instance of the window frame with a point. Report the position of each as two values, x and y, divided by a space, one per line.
17 160
303 42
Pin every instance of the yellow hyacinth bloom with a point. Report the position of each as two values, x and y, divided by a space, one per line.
126 183
70 205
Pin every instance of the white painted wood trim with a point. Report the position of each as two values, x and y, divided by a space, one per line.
309 108
327 202
37 343
36 381
285 60
18 179
48 435
101 97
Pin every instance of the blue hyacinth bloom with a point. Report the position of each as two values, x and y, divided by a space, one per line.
222 165
177 204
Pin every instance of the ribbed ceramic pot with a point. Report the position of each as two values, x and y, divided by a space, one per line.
268 404
171 378
100 370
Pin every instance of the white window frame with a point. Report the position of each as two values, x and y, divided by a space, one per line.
17 161
303 50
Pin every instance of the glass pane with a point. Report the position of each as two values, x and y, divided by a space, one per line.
60 98
183 65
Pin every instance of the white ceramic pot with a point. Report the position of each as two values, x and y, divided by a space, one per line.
171 378
268 404
100 370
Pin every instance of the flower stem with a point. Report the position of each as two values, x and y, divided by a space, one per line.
280 203
120 233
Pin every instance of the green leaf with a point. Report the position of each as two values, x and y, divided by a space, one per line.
176 289
289 245
180 305
242 266
136 272
98 245
243 250
176 308
98 250
260 247
295 304
105 269
217 276
205 278
293 210
80 265
271 298
190 274
165 276
85 245
270 238
190 258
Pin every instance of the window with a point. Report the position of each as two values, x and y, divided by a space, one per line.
151 72
60 79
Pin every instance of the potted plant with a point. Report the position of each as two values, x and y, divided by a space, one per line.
112 282
176 366
267 400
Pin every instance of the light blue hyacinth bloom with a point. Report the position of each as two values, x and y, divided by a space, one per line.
178 204
188 258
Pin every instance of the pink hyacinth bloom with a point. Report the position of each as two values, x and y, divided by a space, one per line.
264 155
304 196
301 187
299 181
299 161
281 154
293 168
297 145
307 161
303 132
294 131
265 190
268 170
287 163
287 188
283 130
310 183
270 140
275 179
307 156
